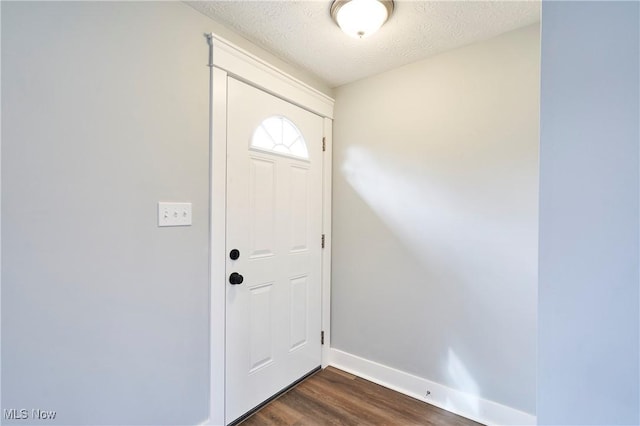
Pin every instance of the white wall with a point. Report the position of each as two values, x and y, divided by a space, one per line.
105 113
435 219
588 292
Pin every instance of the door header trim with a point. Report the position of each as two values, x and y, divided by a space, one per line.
247 67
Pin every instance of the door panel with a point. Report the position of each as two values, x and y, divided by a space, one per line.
299 312
274 203
260 308
262 206
298 209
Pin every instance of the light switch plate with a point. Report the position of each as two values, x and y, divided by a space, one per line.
174 214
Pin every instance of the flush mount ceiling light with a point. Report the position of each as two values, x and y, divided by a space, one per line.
361 18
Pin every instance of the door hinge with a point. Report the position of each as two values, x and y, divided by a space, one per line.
322 337
324 144
323 240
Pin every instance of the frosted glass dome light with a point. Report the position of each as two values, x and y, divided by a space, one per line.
361 18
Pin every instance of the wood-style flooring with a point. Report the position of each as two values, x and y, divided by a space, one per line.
333 397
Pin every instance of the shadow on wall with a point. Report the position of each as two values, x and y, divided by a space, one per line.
401 204
467 243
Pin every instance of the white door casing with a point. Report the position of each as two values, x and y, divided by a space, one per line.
274 220
228 60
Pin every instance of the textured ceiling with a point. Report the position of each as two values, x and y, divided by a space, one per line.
302 32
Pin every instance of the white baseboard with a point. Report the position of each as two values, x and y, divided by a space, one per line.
210 422
461 403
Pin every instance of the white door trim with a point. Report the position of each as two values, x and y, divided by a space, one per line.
229 60
252 70
326 230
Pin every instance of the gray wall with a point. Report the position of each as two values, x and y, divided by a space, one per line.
105 113
588 292
435 218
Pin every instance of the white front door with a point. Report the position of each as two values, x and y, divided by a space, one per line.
274 216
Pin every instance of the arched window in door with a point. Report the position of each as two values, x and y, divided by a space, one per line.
279 135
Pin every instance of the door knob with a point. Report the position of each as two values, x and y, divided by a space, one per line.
235 278
234 254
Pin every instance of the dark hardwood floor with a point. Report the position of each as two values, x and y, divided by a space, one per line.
333 397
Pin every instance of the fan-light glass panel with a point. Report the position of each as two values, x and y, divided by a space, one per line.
279 135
